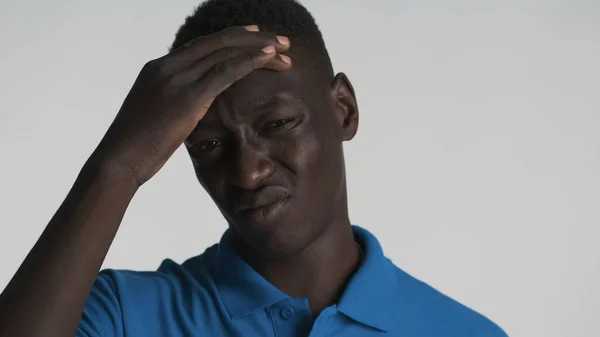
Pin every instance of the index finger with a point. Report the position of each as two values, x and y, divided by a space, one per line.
237 36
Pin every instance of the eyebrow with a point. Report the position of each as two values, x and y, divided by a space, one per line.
273 101
269 102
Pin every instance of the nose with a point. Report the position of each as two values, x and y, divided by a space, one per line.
251 167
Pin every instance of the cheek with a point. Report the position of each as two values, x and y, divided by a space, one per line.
212 184
327 164
313 159
298 152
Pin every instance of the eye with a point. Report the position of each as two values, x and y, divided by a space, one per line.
278 123
207 145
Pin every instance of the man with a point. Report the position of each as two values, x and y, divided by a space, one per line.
250 90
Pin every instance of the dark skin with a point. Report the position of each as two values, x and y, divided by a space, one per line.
269 153
170 98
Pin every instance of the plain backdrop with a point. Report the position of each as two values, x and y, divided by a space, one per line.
476 164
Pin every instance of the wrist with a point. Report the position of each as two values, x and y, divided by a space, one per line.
109 174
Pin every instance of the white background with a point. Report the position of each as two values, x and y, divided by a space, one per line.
476 164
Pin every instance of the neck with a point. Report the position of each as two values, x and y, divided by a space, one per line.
321 271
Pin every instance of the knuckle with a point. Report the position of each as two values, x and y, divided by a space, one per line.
171 83
227 71
230 52
271 39
266 38
254 61
232 30
221 37
158 68
190 42
223 69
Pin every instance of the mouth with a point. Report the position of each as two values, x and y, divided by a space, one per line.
254 206
263 210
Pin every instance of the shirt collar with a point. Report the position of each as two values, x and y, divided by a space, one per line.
369 297
241 288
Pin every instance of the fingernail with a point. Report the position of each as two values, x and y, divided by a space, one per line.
268 49
252 28
283 40
285 58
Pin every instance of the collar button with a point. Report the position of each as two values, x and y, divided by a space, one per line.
287 313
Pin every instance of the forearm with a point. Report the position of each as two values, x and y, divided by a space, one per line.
47 295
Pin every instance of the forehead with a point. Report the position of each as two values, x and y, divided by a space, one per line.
261 90
261 84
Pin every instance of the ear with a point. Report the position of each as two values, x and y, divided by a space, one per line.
345 108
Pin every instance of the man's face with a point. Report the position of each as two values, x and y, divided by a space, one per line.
269 153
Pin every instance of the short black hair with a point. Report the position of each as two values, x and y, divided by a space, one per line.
284 17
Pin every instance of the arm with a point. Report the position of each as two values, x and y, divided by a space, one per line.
47 295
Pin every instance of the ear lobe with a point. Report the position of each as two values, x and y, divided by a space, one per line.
345 106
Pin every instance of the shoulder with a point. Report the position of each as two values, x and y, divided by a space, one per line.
427 309
125 299
170 283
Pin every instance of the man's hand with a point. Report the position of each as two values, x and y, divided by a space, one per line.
173 93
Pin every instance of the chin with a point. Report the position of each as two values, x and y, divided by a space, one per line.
278 240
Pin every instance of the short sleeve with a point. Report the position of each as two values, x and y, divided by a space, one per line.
102 315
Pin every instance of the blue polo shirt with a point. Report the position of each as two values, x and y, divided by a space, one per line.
218 294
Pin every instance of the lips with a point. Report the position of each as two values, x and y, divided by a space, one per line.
264 197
